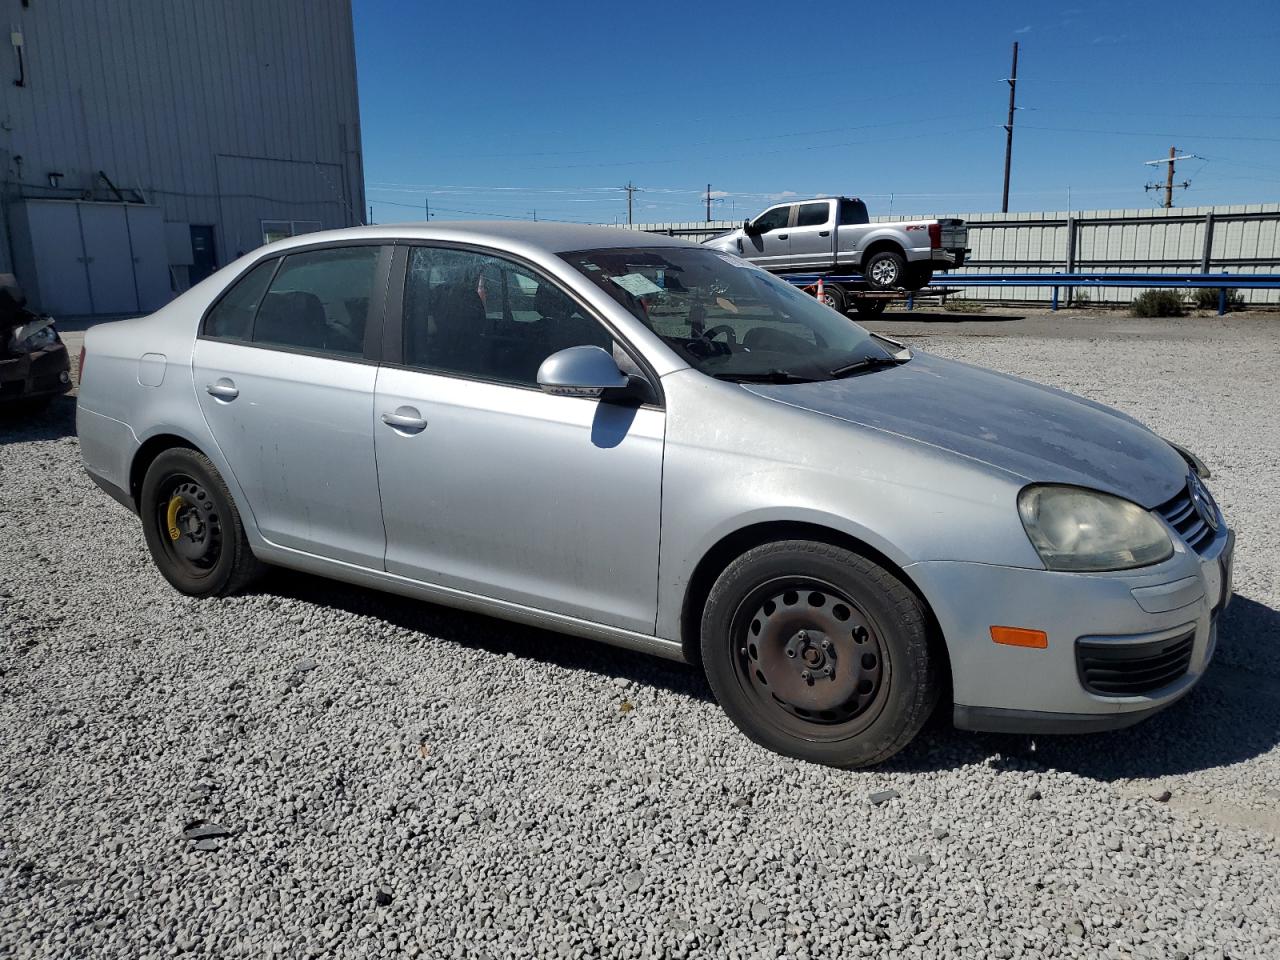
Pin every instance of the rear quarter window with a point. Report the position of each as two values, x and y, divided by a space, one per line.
232 316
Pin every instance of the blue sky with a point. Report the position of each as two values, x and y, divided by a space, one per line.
504 108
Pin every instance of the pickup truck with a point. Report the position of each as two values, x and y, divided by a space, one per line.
835 234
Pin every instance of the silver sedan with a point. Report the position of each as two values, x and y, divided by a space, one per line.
637 440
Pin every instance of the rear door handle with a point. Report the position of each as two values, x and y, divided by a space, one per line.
405 418
223 389
824 233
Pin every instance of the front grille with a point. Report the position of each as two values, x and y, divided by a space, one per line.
1183 516
1112 669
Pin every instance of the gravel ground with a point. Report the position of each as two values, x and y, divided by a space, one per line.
316 770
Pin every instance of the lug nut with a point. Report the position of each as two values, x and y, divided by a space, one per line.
802 636
826 643
830 671
806 675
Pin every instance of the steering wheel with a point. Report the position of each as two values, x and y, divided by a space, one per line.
731 335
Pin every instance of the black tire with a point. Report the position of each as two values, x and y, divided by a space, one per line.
183 493
784 614
919 277
870 308
834 298
886 270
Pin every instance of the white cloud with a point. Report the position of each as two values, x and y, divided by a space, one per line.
1026 29
784 195
719 194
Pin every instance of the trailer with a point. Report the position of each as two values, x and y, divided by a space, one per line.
845 292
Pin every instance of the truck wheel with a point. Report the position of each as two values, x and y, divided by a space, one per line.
919 277
817 653
886 270
870 308
834 298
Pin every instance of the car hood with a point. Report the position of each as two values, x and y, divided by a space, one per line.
1037 433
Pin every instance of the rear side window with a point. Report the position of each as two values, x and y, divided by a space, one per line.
813 214
319 301
232 318
852 213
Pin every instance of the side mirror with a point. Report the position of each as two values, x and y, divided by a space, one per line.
750 229
580 372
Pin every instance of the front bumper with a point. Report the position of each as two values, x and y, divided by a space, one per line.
29 376
1019 689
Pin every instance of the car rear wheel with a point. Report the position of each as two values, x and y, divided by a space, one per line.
818 653
192 527
834 297
886 270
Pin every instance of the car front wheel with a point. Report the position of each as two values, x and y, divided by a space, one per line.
818 653
192 527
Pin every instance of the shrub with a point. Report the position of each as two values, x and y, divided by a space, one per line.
1157 303
1206 298
1081 298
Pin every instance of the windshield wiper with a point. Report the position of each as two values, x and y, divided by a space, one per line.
769 376
868 363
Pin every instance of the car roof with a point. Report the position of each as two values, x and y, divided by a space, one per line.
549 236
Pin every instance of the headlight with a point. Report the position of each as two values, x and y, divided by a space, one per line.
1082 530
33 336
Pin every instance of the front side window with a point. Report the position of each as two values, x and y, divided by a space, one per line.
232 318
813 214
727 317
483 316
774 219
319 301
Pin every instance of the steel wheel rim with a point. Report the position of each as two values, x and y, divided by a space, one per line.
811 657
190 525
830 301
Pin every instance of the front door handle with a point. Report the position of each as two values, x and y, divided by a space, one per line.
783 236
405 418
223 389
824 233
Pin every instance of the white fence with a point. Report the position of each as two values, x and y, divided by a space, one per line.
1223 239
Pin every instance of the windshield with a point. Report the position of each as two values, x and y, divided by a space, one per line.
728 318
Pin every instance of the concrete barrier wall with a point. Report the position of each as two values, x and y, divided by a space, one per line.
1243 238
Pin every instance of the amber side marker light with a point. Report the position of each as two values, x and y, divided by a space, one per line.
1020 637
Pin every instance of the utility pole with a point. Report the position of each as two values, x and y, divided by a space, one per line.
631 189
370 213
1168 184
426 206
1008 144
708 203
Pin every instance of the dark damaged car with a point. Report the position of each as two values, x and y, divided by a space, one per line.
34 367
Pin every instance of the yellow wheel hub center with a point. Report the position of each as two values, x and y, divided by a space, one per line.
171 518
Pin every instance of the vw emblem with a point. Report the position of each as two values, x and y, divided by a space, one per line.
1203 502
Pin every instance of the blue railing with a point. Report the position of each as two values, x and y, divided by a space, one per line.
1175 281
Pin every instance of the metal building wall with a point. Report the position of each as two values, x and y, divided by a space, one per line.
221 112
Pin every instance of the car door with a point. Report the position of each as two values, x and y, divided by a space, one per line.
285 382
489 485
769 243
811 244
